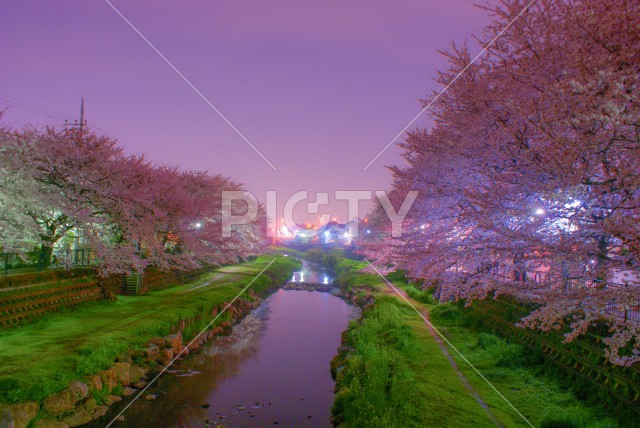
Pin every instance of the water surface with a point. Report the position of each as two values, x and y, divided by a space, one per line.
273 370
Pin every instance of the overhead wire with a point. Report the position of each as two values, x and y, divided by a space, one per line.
29 107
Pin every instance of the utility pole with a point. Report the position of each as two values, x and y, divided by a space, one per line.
75 123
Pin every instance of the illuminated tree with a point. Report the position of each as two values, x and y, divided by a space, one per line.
533 162
129 212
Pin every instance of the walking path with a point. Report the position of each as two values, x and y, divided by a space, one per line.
394 291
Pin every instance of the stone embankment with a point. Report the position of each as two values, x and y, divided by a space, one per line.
88 399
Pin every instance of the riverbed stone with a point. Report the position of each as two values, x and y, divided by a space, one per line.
18 415
128 391
136 373
157 341
123 358
78 389
151 353
59 403
99 412
174 341
49 423
108 378
110 399
90 405
123 375
140 384
81 417
94 382
166 355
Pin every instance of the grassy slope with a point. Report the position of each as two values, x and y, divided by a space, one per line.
539 397
423 390
41 358
426 391
517 375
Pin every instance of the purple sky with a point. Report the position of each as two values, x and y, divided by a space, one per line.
318 87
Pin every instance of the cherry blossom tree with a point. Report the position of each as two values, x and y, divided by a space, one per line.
533 164
129 212
18 230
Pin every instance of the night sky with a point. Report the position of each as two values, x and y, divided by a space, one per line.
318 87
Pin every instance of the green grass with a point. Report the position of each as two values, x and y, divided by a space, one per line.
517 374
349 276
397 376
41 358
420 296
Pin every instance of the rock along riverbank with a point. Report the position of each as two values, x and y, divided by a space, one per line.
89 399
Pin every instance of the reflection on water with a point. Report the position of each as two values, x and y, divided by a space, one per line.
273 368
312 273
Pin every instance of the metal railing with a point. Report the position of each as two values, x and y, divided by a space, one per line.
627 313
13 263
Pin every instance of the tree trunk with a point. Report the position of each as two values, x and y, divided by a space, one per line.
602 258
46 252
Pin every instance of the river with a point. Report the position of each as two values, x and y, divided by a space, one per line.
272 370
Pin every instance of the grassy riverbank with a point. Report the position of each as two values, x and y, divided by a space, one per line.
41 358
394 373
519 374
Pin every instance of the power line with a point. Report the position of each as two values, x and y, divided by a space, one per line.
93 125
42 111
30 110
31 105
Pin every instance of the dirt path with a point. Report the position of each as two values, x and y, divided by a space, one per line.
394 291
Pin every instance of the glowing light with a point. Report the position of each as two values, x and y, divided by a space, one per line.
293 279
325 280
368 231
346 235
539 211
302 276
422 226
198 225
286 255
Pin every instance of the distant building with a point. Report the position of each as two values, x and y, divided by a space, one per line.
331 233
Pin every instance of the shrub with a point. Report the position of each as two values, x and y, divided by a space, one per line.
330 261
376 387
505 354
315 255
420 296
451 314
